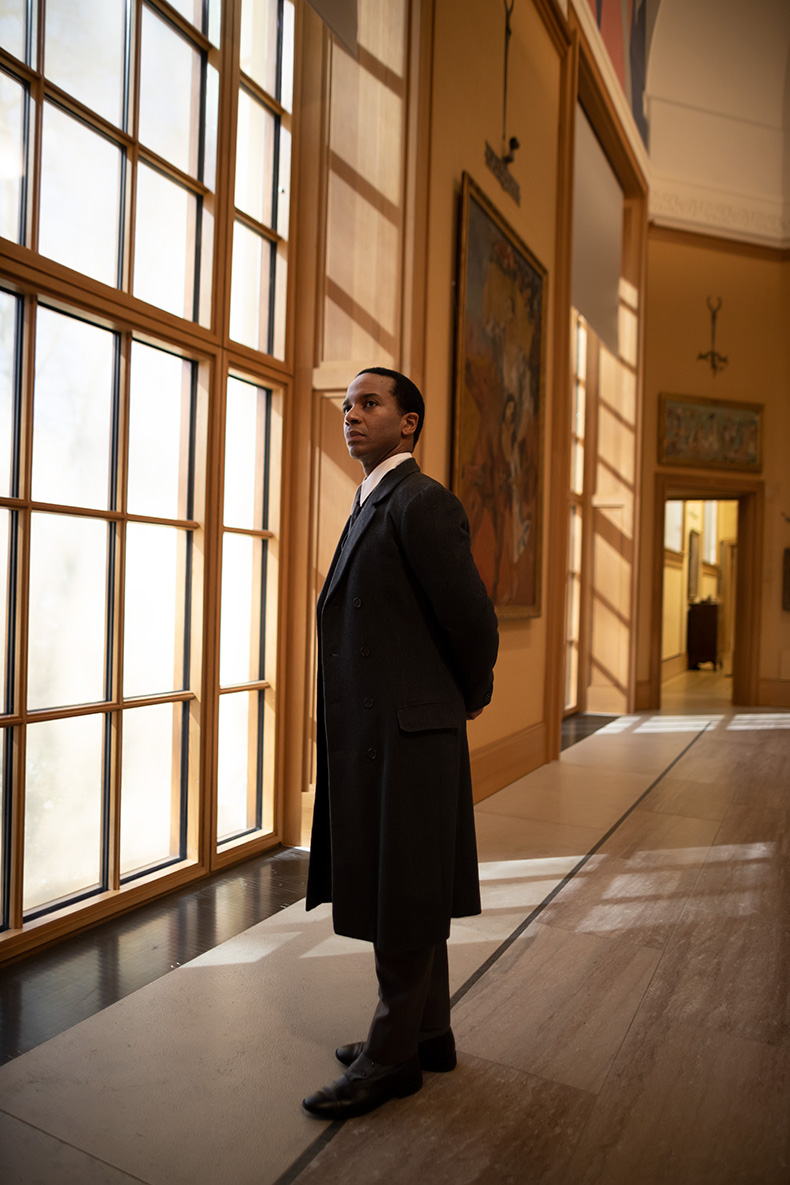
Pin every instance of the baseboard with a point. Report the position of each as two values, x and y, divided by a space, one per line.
670 667
496 765
773 693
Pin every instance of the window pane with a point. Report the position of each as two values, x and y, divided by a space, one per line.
255 159
250 286
4 733
259 42
164 263
68 578
12 157
243 561
84 51
12 27
287 75
284 185
79 222
159 425
72 411
8 388
5 626
238 758
63 809
212 117
150 786
169 94
154 615
191 10
245 455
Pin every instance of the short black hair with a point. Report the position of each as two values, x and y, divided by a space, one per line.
407 394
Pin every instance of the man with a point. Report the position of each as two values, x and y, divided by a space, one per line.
407 644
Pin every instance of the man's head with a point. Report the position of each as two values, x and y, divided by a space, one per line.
382 415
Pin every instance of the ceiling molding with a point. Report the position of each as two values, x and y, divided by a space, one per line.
686 206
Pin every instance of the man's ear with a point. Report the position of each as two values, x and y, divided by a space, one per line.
409 422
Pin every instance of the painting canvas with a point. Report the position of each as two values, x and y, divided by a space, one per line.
499 398
709 433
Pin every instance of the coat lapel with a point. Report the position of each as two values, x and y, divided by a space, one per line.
350 538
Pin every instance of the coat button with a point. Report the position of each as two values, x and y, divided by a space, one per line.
369 702
365 652
372 754
357 602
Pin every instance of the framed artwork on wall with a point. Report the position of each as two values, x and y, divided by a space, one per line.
499 403
693 569
709 433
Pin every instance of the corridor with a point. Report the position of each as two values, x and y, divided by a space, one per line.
620 1007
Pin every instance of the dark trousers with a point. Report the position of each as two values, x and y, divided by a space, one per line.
414 1002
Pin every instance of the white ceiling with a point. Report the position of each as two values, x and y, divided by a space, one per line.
718 107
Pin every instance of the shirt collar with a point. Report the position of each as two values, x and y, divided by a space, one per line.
375 476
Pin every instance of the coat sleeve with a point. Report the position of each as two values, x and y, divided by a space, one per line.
435 539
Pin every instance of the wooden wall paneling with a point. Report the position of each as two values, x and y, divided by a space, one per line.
560 444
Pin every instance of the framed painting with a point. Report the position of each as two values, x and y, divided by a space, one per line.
499 403
709 433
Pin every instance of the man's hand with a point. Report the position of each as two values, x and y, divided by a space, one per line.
475 714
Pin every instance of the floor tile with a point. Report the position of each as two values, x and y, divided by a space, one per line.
698 800
726 973
571 795
688 1106
556 1004
484 1124
636 886
505 837
31 1157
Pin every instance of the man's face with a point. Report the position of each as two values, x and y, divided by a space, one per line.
374 425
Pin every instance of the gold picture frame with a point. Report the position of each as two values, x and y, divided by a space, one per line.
710 433
500 372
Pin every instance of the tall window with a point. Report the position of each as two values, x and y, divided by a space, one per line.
142 386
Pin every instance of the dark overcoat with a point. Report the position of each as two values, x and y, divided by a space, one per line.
407 640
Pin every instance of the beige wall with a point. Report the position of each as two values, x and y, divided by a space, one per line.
468 49
754 286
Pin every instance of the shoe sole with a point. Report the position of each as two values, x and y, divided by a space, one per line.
403 1091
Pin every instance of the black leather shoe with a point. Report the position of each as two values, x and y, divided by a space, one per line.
435 1053
364 1086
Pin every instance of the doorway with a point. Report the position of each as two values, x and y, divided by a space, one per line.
699 598
739 563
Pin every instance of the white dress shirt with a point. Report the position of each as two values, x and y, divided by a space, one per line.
375 476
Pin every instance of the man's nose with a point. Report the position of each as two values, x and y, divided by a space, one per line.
351 415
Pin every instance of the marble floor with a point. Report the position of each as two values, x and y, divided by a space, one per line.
621 1006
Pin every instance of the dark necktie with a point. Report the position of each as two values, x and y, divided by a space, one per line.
355 509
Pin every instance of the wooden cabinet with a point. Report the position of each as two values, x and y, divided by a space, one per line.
704 634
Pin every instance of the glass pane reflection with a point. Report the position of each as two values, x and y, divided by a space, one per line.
169 94
63 809
159 430
84 52
245 455
154 613
250 287
6 627
150 786
12 157
259 42
72 411
255 159
68 577
8 388
164 263
12 27
238 759
79 222
243 560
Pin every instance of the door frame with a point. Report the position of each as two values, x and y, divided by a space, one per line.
750 496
